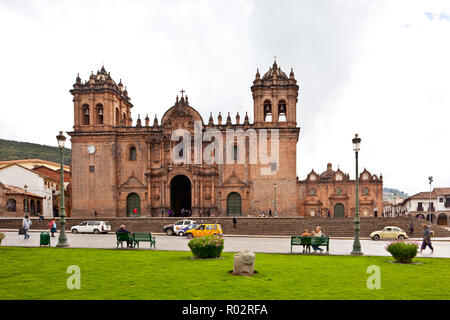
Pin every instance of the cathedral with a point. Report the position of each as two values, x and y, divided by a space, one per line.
182 162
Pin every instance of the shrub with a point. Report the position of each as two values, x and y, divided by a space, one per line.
403 251
206 247
2 236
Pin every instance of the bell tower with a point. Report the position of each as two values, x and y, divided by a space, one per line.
100 103
275 97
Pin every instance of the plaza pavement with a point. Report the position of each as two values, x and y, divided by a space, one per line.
262 244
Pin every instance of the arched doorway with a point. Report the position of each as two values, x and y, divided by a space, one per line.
431 218
234 207
442 219
339 210
133 201
180 194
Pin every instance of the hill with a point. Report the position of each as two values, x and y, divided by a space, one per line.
15 150
390 193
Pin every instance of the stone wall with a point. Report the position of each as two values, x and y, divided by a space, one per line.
342 227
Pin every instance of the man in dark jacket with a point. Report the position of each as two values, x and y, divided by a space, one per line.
234 222
122 229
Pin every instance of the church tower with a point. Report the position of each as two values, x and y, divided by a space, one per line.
100 103
275 98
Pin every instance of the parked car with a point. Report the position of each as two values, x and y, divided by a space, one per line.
92 227
172 229
204 230
182 232
389 232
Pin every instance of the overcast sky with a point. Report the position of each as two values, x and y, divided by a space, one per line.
377 68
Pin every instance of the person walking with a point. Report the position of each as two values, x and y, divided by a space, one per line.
182 212
411 229
135 212
41 217
270 212
52 225
234 222
95 214
162 212
426 239
169 213
26 224
208 213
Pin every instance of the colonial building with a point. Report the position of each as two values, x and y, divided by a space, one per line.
15 177
434 206
118 167
332 193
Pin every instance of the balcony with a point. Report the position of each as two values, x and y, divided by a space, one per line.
419 208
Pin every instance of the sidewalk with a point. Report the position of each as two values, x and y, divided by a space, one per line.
447 239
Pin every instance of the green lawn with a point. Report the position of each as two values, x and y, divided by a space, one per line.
40 273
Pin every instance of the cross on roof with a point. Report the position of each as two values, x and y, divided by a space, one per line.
182 93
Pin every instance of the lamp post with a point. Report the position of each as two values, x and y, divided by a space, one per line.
356 244
275 199
62 240
430 179
25 207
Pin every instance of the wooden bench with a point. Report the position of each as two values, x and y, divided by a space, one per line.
309 242
300 241
144 237
123 236
320 241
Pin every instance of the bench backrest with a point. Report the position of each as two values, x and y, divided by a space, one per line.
296 240
319 240
123 236
142 236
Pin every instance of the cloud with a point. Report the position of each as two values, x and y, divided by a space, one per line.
374 68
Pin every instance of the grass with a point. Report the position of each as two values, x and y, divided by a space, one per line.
40 273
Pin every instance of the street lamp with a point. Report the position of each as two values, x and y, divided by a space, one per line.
430 179
25 208
62 240
356 244
275 199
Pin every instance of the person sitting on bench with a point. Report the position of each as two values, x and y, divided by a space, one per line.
122 229
305 234
314 246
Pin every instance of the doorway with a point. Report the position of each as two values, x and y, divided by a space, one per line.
339 210
180 194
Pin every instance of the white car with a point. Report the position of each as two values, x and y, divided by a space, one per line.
178 227
92 227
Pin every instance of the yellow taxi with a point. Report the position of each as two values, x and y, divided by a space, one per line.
204 230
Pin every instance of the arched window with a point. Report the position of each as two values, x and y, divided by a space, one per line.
282 110
235 153
99 113
86 114
267 110
11 205
133 154
124 119
117 117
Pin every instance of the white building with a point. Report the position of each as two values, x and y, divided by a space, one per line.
436 210
37 183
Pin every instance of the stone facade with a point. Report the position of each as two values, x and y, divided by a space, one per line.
118 167
333 193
